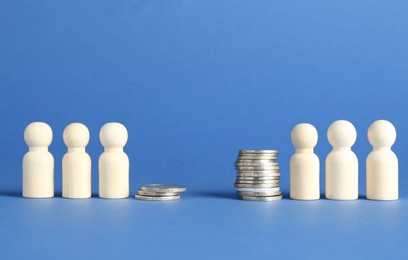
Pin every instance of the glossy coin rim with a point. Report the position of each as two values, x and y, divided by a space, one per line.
267 155
257 183
239 174
254 186
269 164
155 198
264 198
259 172
164 188
257 157
251 178
259 189
157 194
256 168
259 194
257 161
275 171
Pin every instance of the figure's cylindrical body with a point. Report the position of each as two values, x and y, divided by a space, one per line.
38 173
113 175
305 176
76 175
382 163
382 175
342 175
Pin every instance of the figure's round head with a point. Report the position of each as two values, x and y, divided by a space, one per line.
38 134
382 133
113 135
76 135
342 133
304 136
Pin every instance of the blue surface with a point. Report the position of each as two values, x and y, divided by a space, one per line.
194 81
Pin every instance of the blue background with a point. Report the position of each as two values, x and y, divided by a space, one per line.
193 82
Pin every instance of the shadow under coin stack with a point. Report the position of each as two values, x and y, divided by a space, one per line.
258 175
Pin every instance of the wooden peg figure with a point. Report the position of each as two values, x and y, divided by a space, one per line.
341 162
38 162
76 163
113 162
304 164
382 163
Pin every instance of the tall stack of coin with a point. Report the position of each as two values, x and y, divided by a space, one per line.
258 175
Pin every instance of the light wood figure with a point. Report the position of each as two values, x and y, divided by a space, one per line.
76 163
304 164
341 162
113 162
38 163
382 163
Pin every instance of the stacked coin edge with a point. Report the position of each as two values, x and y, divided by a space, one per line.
159 192
258 175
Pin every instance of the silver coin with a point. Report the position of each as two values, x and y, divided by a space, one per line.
257 157
259 189
255 161
258 171
256 168
257 182
256 185
258 194
163 188
272 171
253 164
265 198
157 194
262 178
248 185
258 174
156 198
239 180
258 151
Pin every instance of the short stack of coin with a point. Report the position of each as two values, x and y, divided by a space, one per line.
160 192
258 175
